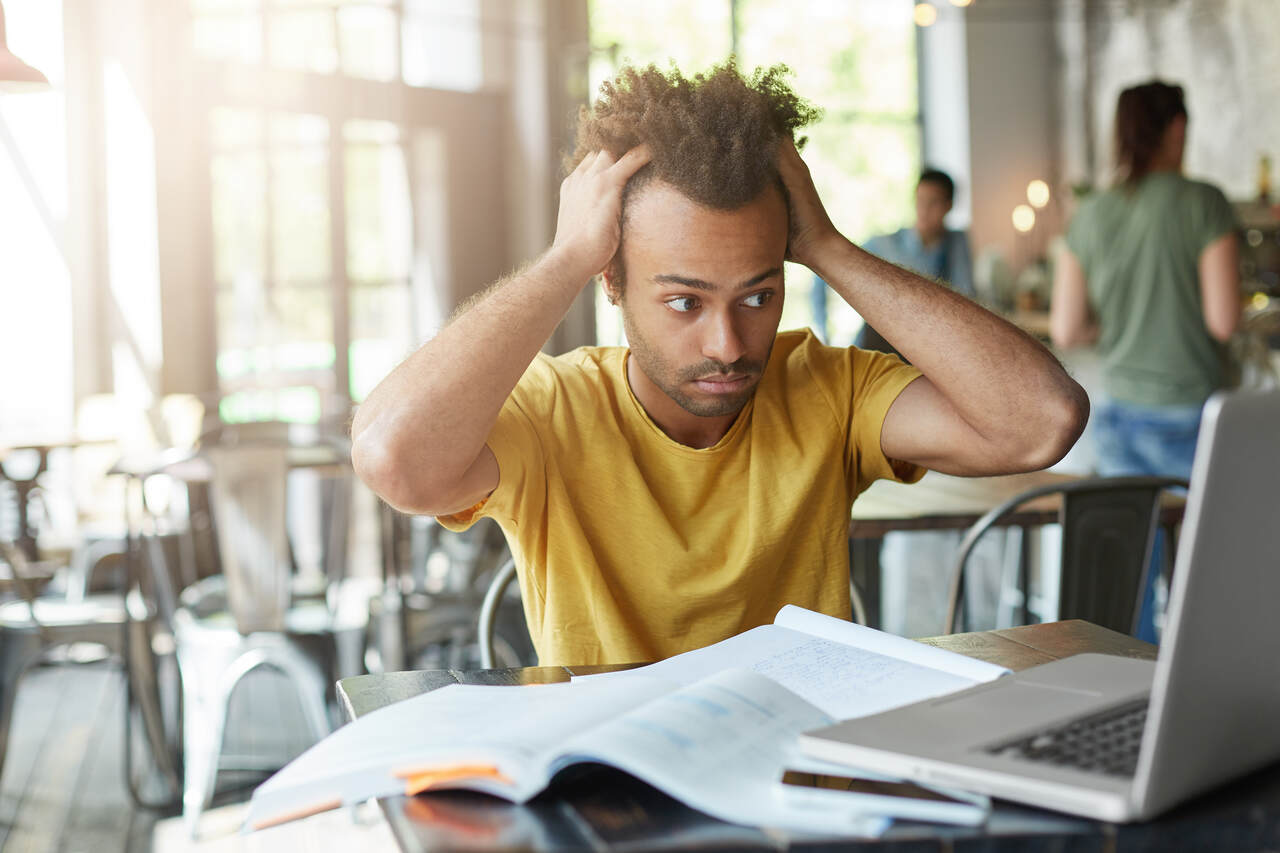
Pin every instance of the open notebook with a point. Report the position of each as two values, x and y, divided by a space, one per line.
715 728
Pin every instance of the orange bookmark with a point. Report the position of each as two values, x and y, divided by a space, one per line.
417 781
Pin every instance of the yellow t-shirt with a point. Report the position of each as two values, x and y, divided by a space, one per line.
633 547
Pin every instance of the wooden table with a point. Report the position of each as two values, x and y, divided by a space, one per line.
601 809
944 502
24 487
190 466
1034 322
936 502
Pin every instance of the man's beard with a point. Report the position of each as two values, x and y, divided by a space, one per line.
671 379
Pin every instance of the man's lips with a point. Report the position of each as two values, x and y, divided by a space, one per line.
723 383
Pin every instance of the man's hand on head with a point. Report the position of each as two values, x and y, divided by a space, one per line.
810 227
589 225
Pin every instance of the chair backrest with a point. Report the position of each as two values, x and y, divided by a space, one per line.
248 497
489 610
26 580
1108 529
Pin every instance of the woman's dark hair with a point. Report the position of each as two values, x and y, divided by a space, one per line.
1143 114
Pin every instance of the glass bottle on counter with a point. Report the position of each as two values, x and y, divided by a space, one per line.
1264 179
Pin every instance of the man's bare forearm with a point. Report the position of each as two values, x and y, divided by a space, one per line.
419 439
1007 386
425 424
995 401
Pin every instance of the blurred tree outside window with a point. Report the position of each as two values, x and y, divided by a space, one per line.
857 61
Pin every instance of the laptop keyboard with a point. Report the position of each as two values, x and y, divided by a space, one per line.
1103 743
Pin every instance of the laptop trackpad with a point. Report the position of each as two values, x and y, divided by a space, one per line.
1008 707
1015 705
1038 697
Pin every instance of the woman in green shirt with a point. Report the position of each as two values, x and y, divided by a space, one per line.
1150 276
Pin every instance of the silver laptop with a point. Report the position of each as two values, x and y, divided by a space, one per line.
1120 739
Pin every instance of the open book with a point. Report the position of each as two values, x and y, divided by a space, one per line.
715 728
847 670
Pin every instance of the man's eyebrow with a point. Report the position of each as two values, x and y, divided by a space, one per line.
701 284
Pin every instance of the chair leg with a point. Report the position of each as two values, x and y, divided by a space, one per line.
204 711
18 650
144 688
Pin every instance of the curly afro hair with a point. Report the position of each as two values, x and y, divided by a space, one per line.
714 136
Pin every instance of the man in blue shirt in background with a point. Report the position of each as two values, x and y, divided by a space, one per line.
928 248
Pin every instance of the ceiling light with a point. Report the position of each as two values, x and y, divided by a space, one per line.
925 14
1038 193
1024 218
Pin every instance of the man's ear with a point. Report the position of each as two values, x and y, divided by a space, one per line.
612 277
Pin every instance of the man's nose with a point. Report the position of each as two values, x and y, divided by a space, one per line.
721 340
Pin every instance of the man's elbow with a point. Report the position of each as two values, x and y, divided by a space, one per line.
1063 416
377 463
395 474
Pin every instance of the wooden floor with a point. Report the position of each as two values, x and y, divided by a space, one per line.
63 788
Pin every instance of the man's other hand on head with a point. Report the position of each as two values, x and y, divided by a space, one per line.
810 226
589 227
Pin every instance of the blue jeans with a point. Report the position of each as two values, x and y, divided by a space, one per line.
1159 441
1138 440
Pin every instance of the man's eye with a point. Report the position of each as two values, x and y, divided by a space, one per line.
757 300
682 303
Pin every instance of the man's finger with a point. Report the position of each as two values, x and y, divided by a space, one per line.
602 161
585 163
630 163
788 156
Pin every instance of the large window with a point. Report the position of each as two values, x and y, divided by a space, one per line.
35 284
418 42
855 60
314 188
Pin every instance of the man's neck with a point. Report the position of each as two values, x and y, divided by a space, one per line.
929 239
679 424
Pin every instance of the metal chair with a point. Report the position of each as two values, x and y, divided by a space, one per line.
1108 530
32 626
435 582
489 611
255 613
1253 360
496 595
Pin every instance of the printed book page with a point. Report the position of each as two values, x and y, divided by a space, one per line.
853 634
721 746
845 673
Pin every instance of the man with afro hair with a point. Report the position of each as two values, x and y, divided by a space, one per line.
669 494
